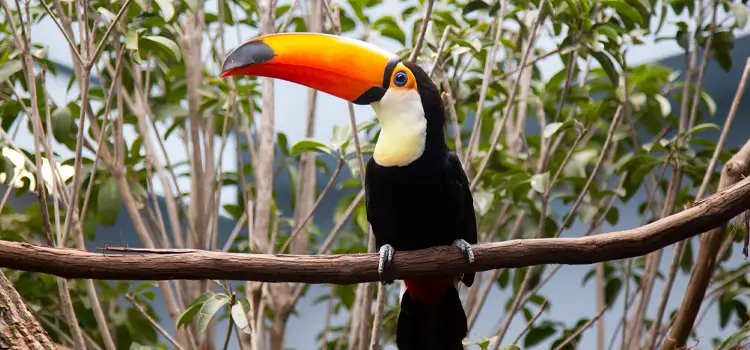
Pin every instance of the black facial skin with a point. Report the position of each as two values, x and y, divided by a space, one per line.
375 93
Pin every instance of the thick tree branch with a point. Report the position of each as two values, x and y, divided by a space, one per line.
711 213
18 327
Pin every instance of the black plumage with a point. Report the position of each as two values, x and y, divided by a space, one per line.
423 204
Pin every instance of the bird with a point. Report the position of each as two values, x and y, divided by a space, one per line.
417 194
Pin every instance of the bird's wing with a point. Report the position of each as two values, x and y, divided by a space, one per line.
467 217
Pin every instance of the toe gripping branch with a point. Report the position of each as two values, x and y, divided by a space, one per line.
386 259
465 249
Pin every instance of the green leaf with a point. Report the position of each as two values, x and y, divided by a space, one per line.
388 27
740 14
664 105
166 43
341 134
62 124
485 343
503 278
701 127
131 43
709 102
310 145
167 9
107 14
539 182
189 313
9 68
607 65
624 10
538 334
551 129
725 310
144 285
148 294
131 39
473 6
108 203
209 309
483 201
554 128
611 290
612 216
510 347
239 316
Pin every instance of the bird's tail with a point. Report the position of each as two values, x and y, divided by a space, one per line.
431 317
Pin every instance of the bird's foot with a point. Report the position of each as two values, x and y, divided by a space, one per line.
465 248
386 259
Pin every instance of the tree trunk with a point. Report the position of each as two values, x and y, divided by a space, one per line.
18 327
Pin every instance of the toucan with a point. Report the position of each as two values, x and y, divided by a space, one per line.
416 192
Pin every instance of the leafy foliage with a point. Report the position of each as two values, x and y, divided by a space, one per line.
537 179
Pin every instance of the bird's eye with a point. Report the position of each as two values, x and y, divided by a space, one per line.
400 79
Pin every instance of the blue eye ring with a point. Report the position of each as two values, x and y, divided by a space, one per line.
400 79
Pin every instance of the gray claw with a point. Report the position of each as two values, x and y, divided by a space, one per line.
465 248
386 258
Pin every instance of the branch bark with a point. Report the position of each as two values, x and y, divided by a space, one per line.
737 167
18 327
705 215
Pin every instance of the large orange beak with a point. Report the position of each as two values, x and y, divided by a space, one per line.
347 68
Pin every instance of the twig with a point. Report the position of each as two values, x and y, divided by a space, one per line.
378 321
422 31
92 58
531 322
679 248
704 64
450 103
100 141
535 60
73 205
327 322
235 232
724 132
156 324
315 206
73 47
230 326
441 47
581 329
610 135
490 61
289 16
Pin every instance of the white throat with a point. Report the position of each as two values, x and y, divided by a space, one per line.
403 128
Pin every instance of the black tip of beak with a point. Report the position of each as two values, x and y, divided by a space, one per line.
253 52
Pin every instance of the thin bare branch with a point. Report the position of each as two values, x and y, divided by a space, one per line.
73 47
377 324
531 322
490 62
156 324
581 329
422 31
91 60
331 181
